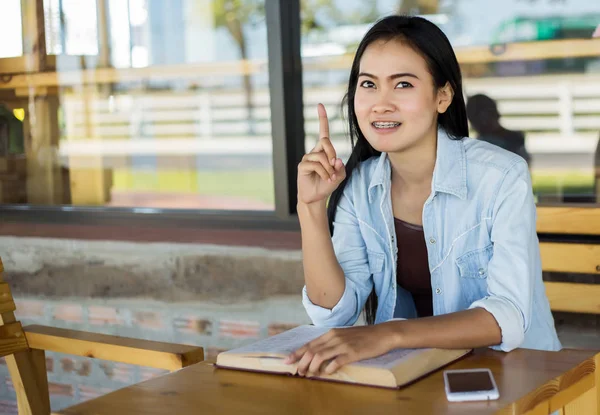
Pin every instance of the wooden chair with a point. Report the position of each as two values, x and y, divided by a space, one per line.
581 257
571 257
24 350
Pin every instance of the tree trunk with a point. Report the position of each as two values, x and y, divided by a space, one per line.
247 90
235 28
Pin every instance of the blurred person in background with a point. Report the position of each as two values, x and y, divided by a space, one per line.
484 117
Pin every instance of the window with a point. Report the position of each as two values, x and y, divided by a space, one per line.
11 43
149 104
535 59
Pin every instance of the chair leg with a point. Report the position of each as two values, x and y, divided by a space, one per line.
597 358
28 372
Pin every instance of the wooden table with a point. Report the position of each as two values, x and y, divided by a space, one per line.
528 380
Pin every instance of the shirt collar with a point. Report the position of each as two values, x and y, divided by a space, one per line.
449 174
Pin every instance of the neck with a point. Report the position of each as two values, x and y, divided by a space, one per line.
413 168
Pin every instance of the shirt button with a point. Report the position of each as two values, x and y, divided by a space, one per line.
432 240
481 271
438 291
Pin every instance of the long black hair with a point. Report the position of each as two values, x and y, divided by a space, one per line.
431 43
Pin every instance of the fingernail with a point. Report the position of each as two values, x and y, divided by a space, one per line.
329 180
332 161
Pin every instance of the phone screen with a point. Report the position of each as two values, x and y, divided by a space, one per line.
469 382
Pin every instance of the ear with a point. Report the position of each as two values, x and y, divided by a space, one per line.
445 95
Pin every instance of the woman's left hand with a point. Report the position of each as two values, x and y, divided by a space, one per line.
340 347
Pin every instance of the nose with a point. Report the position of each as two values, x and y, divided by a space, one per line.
383 105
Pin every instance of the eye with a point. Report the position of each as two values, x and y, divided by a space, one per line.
404 84
367 84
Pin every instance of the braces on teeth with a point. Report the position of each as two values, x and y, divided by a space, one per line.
386 124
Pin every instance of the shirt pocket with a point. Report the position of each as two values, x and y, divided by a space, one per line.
473 273
376 260
474 264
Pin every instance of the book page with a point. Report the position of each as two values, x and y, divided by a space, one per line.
282 343
389 360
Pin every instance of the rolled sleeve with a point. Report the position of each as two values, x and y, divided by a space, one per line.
340 315
508 318
515 262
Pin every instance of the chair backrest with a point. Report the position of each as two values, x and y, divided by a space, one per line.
581 257
27 367
12 338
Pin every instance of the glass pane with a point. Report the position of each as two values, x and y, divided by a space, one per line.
11 43
547 96
54 28
537 60
183 127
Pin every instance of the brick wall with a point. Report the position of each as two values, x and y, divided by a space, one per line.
74 379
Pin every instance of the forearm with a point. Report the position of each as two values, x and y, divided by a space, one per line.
464 329
324 278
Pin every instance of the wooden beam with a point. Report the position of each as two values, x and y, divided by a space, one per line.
104 60
112 75
18 65
44 173
569 257
573 297
34 35
119 349
481 54
568 220
526 51
12 66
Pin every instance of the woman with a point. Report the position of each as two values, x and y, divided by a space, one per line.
433 231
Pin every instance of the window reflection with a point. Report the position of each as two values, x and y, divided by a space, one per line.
145 103
10 29
535 60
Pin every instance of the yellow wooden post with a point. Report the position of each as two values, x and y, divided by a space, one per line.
45 177
90 181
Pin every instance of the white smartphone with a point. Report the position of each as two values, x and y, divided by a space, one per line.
470 385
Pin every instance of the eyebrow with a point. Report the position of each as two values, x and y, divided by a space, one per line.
391 77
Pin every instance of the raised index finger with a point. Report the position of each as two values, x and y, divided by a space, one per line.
324 140
323 122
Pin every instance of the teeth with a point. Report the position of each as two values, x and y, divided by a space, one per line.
386 124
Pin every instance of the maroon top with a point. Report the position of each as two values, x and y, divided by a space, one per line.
413 267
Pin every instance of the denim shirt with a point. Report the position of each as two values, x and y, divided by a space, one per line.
480 229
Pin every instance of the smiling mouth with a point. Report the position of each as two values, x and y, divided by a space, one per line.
385 124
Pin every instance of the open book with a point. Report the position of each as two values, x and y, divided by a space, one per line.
392 370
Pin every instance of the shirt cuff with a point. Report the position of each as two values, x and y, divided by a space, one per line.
340 315
509 319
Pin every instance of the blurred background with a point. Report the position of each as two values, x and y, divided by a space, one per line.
154 104
148 153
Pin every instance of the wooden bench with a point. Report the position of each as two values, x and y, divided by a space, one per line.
570 243
24 350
